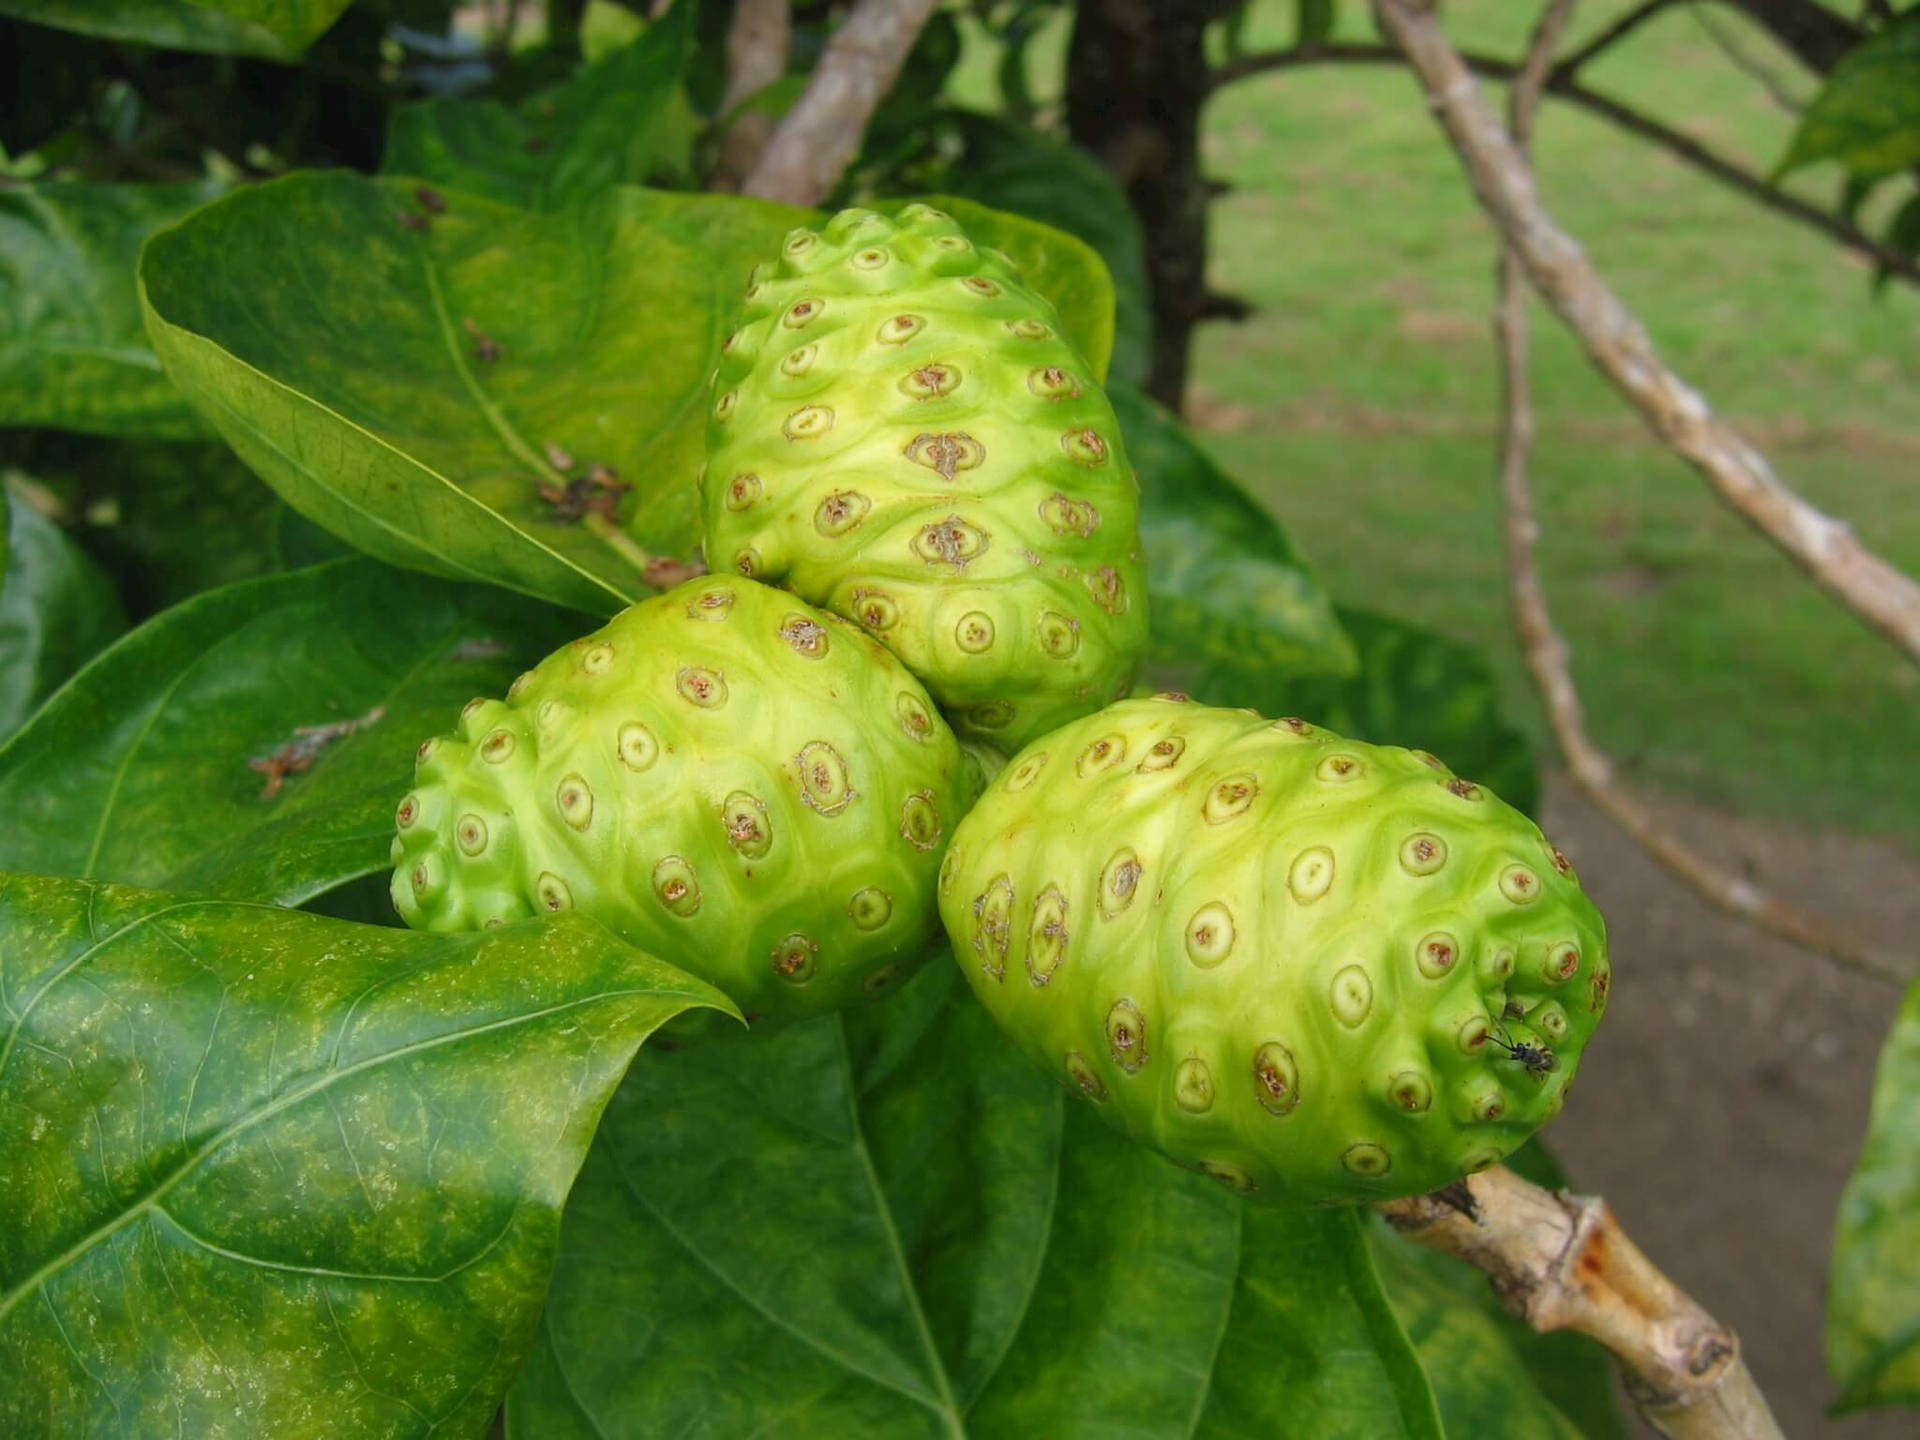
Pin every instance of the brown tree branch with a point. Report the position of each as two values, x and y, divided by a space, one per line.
1547 655
1825 548
1677 143
1561 1262
821 134
1609 37
1754 69
758 44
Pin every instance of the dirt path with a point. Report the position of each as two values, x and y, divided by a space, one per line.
1724 1101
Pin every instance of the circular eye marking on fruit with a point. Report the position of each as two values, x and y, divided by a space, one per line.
724 407
870 908
1351 996
1463 789
1598 987
1029 330
638 748
806 637
1422 853
880 980
980 286
1162 755
742 491
802 313
875 609
1560 861
825 784
930 382
974 632
1562 963
1276 1078
949 866
747 562
1065 516
427 749
793 959
1474 1161
954 244
1229 1175
993 715
1366 1158
1026 772
1050 382
1339 769
920 821
899 329
468 710
1210 935
871 259
408 812
1059 635
1230 798
1411 1091
552 714
1429 759
597 659
497 747
1082 1076
1084 447
1127 1036
1193 1086
675 885
1109 591
1103 754
744 818
755 293
1496 965
1435 954
1293 725
1551 1021
809 422
1311 874
425 875
1519 884
574 801
1489 1105
712 605
1473 1034
914 717
1047 935
947 453
798 243
1119 881
993 925
799 362
700 686
553 893
951 542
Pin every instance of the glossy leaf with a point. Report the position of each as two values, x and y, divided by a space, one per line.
56 610
154 765
1873 1292
561 147
73 352
1232 603
1867 114
271 29
885 1223
265 1173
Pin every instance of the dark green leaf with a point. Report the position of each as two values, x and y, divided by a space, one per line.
887 1224
1314 23
1873 1293
1232 604
1903 235
154 765
561 147
270 1174
56 611
73 353
342 355
1867 114
271 29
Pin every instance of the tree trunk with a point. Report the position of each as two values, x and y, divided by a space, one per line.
1136 77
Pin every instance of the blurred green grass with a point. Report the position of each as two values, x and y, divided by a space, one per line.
1359 403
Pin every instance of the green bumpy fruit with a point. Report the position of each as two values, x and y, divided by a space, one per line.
901 434
747 787
1291 961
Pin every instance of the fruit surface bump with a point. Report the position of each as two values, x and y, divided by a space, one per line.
901 434
1314 969
747 787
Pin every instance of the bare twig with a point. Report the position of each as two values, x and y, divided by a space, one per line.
1546 652
1619 346
757 47
821 134
1561 1262
1564 87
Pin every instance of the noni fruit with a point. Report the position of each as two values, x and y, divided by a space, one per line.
901 434
749 788
1312 968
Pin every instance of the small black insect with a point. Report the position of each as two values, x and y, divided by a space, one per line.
1537 1059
